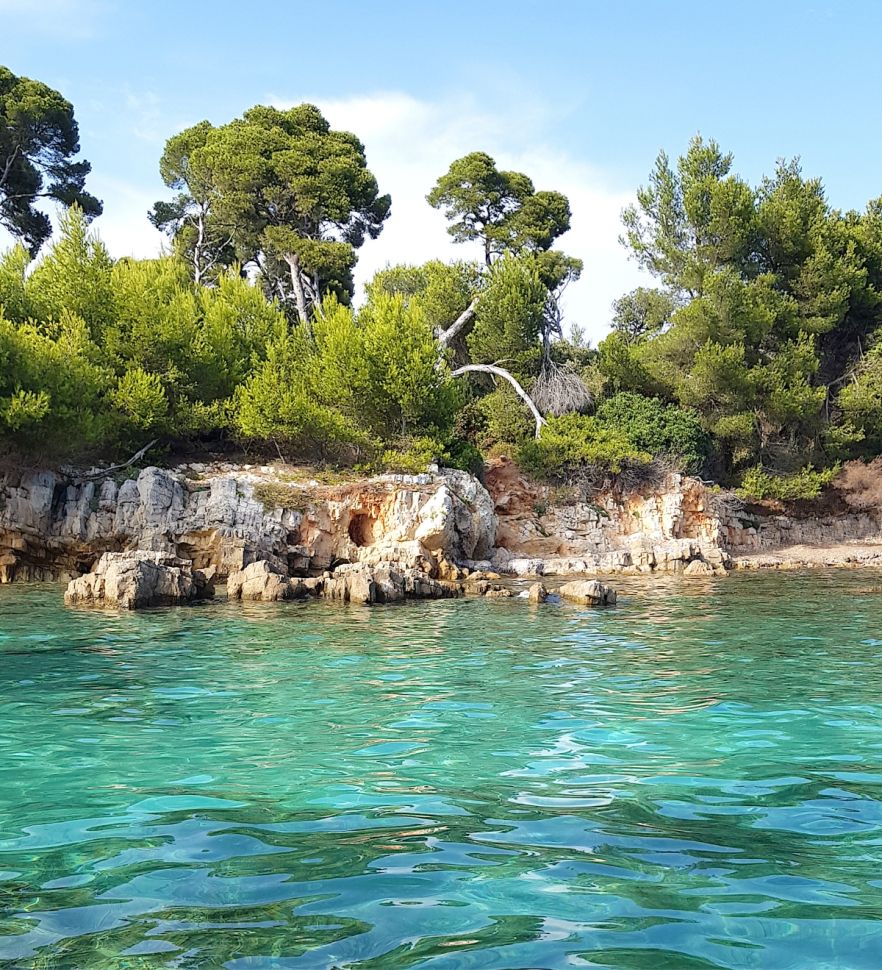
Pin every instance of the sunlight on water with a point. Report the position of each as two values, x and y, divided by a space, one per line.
690 780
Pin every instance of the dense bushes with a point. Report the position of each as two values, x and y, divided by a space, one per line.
355 382
658 428
572 442
758 484
97 356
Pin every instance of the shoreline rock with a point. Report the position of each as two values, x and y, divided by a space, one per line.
138 580
444 526
588 592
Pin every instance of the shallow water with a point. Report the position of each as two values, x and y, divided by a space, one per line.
690 780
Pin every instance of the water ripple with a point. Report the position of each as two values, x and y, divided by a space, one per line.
692 780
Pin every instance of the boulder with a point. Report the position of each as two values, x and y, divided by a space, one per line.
136 580
588 592
537 593
259 581
525 567
698 567
385 583
352 583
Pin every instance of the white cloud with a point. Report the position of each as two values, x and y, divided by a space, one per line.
124 227
410 142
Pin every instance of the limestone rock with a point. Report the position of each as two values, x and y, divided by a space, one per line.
537 593
51 524
525 567
136 580
698 567
352 583
588 592
258 581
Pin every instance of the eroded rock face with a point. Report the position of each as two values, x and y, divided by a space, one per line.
137 580
663 529
259 581
51 528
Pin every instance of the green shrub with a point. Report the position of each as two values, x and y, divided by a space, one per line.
757 484
660 429
465 456
575 441
506 417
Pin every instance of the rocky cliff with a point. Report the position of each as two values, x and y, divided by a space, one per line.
661 528
57 527
54 527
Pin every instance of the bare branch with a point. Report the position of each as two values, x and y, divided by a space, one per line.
499 372
114 468
465 318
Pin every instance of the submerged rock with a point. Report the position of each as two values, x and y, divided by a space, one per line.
588 592
698 567
138 579
537 593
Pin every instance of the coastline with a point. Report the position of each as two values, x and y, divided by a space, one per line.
279 533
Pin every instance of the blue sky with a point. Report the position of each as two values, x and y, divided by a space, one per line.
580 95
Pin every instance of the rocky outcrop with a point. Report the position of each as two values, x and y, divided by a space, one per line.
663 528
359 583
445 527
537 593
137 580
54 527
588 593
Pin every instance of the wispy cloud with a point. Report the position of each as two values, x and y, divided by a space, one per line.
410 142
145 117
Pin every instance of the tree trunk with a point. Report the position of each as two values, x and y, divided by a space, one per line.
499 372
293 261
445 336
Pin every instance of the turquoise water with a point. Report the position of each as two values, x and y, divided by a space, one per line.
690 780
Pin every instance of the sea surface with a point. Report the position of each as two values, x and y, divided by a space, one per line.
692 779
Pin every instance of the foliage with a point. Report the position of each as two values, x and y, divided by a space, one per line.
39 138
758 484
50 392
509 313
861 403
569 443
293 196
658 428
774 295
355 381
642 313
442 290
504 417
75 276
501 210
199 234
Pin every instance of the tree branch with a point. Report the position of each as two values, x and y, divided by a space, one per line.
465 318
125 464
499 372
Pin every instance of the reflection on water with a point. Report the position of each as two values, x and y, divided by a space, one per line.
691 780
